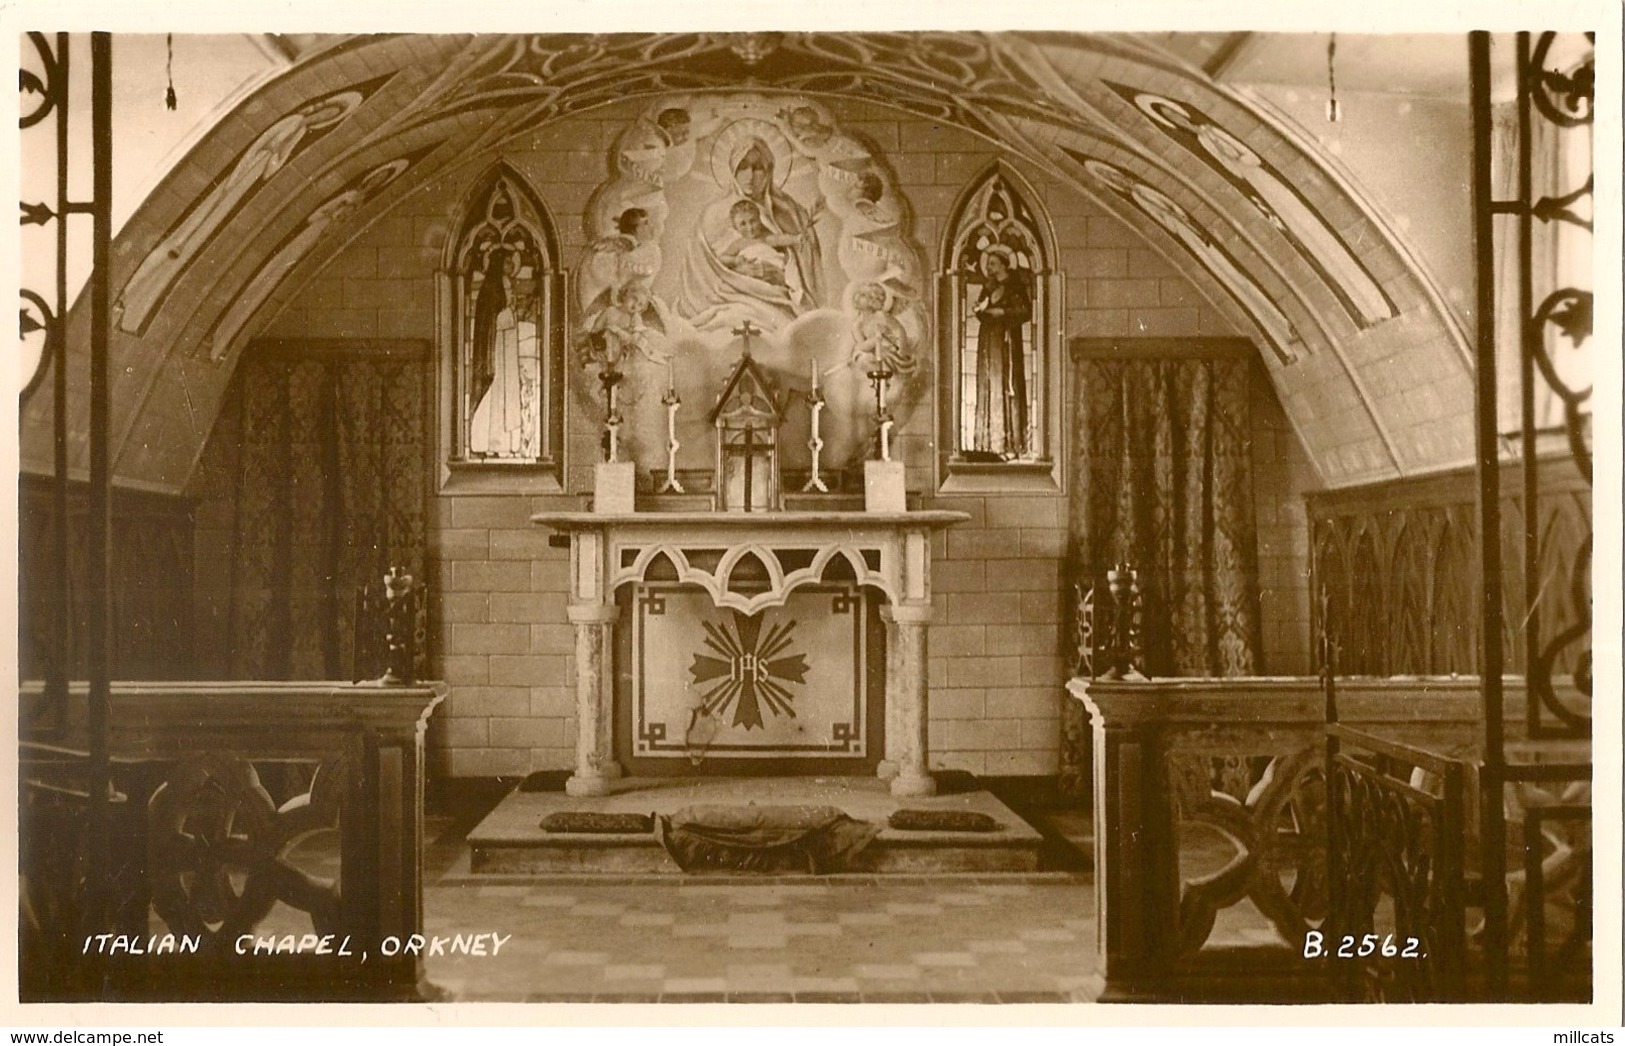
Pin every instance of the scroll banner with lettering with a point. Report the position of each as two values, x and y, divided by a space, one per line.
790 681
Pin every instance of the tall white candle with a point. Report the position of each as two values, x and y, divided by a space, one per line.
813 366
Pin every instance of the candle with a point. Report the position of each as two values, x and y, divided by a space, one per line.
671 377
813 366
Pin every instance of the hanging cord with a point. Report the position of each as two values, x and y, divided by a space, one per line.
1334 111
169 71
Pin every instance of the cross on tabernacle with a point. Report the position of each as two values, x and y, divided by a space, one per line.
747 330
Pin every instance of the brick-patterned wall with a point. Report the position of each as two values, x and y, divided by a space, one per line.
506 646
998 653
1282 475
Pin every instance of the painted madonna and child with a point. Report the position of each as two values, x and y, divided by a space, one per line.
728 211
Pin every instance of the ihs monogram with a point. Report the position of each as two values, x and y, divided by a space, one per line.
748 670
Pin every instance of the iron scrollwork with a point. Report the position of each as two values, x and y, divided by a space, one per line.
1563 96
42 92
1566 99
1275 820
37 317
50 85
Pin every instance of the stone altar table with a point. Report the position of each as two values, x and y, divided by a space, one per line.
781 551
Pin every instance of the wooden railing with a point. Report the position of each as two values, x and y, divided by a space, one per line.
266 844
1210 806
1396 929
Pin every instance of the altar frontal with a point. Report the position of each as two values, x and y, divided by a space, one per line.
712 685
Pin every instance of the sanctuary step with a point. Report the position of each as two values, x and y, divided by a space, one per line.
511 841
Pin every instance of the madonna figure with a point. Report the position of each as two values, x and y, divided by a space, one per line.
717 291
1002 310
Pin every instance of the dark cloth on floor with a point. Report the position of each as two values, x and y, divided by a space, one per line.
765 839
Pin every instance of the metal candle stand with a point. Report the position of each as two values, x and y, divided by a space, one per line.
611 378
815 400
883 417
672 402
402 602
1126 650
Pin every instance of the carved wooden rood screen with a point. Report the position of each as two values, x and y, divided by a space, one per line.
1482 850
1414 825
177 840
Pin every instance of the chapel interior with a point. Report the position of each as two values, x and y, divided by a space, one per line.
806 517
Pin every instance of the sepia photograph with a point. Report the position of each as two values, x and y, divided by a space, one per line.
1016 523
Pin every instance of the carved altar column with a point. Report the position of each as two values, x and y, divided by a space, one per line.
907 698
594 613
595 699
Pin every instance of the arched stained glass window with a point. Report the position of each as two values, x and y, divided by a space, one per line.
1000 331
503 298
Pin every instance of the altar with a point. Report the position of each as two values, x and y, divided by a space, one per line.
749 566
735 624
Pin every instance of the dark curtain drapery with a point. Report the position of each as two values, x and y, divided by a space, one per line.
328 494
1163 481
151 580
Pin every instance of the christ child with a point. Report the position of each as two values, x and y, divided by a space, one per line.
757 252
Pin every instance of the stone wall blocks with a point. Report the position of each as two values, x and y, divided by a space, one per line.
489 639
528 670
474 576
1040 608
530 732
504 512
526 543
488 762
1021 764
459 669
1023 575
471 702
957 641
989 608
551 638
555 701
982 671
957 703
1026 512
467 732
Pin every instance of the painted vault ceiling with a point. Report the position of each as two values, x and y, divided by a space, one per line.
1256 219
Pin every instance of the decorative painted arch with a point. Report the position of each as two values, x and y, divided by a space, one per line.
431 105
785 570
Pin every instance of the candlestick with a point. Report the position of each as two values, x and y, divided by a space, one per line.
611 378
672 402
879 377
815 399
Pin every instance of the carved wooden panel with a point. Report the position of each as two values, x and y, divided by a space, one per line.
1399 565
1252 828
152 583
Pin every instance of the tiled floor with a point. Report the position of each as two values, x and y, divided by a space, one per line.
831 939
1021 938
873 939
